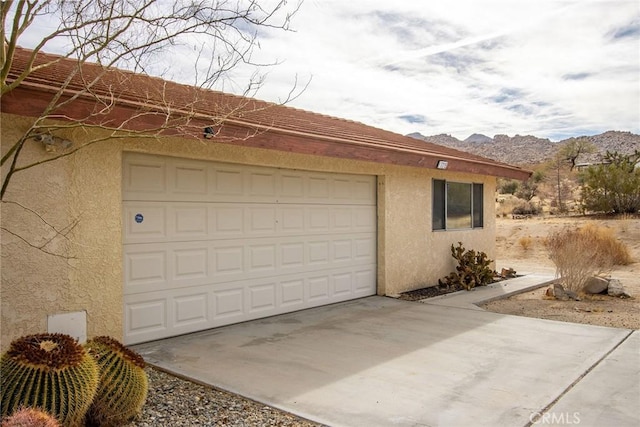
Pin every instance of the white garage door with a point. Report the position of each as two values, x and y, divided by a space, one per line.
209 244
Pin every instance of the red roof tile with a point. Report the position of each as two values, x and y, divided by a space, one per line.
130 90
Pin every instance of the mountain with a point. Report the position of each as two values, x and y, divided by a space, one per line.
530 150
478 138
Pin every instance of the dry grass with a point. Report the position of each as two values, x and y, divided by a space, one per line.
526 243
607 241
579 253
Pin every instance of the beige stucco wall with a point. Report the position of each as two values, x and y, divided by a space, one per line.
85 189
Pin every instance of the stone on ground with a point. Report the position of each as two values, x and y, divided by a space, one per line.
616 289
595 285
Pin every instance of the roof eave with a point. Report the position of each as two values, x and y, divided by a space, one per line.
247 134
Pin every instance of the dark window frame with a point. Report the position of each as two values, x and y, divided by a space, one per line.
440 202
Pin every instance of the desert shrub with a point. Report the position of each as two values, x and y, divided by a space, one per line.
613 186
529 188
473 269
526 242
526 208
608 242
579 253
508 186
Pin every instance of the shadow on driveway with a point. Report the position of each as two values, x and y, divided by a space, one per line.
379 361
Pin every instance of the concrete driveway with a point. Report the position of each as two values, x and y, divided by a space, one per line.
379 361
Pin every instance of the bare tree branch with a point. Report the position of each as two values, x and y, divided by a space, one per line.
56 232
124 34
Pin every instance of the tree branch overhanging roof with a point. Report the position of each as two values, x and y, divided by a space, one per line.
236 120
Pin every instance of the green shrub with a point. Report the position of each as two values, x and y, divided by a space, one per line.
526 208
613 186
508 186
473 269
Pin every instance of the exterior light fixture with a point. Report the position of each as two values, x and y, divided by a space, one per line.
209 132
51 142
442 164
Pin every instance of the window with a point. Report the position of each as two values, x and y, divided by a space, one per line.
457 205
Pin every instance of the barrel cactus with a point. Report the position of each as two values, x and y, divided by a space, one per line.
123 383
30 417
51 372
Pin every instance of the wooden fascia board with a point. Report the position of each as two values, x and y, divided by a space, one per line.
31 100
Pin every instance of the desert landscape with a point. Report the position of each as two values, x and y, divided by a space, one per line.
520 245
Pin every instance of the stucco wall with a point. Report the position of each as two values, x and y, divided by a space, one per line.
415 256
86 188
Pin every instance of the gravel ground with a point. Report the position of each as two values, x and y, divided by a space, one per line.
176 402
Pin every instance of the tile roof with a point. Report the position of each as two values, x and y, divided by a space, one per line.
131 90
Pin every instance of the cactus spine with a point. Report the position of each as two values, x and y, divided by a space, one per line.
51 372
123 383
30 417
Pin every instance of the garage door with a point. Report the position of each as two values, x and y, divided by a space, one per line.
210 244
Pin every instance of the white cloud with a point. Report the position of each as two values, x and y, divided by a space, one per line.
552 68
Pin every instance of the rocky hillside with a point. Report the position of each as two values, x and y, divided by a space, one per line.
528 150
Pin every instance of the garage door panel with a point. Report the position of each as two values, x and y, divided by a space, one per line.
177 310
169 179
262 184
144 222
191 310
292 186
318 220
147 222
229 221
318 289
229 181
228 260
292 219
145 270
190 264
209 244
146 317
292 293
189 222
319 188
229 305
342 284
342 219
262 258
262 297
342 250
261 220
157 266
364 280
364 219
189 178
365 249
144 176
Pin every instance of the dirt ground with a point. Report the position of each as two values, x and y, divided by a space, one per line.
520 245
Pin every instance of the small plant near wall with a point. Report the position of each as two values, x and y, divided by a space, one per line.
473 269
123 383
51 372
30 417
50 380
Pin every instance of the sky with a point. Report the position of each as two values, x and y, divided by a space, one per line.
549 68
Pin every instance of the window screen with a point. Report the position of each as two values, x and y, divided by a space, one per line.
457 205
